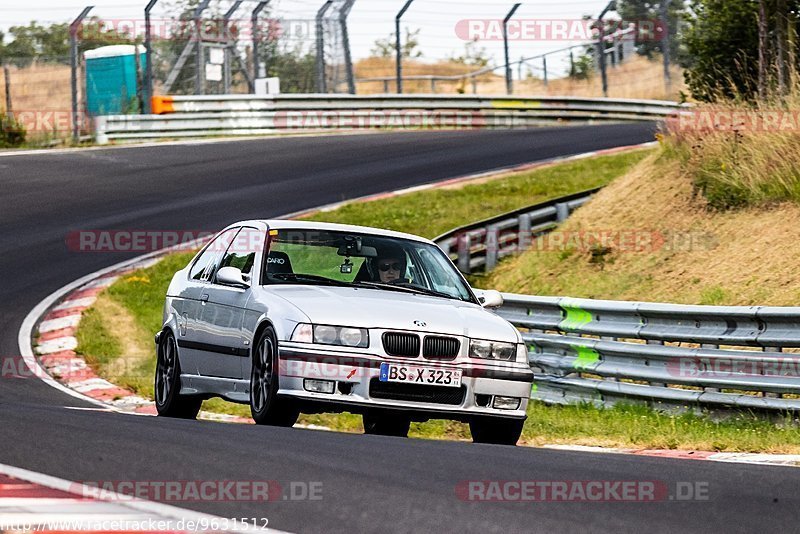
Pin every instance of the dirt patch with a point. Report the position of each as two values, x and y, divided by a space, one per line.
123 327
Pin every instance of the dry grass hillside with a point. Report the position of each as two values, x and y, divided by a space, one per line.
638 78
697 254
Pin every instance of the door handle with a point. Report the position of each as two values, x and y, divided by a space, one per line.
204 298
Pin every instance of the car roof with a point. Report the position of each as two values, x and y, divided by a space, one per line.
287 224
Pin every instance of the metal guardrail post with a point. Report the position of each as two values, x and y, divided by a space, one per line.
464 246
524 237
492 247
562 212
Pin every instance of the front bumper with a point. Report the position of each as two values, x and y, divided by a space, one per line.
353 373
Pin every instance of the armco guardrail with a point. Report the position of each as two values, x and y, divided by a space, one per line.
665 355
480 245
201 116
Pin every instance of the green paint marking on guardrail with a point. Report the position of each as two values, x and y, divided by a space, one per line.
587 357
575 317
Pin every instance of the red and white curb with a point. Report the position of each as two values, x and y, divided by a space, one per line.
56 343
786 460
31 502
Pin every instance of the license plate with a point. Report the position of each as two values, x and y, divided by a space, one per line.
411 374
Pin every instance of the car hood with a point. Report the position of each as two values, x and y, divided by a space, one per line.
385 309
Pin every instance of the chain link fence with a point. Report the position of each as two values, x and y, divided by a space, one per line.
212 47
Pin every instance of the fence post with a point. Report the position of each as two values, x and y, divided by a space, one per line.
544 66
7 77
73 49
148 60
601 45
256 36
398 46
665 50
321 81
509 82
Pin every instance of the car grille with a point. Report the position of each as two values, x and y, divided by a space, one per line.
401 344
416 392
440 348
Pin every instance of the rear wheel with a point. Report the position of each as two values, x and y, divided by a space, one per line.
266 407
386 423
496 430
169 401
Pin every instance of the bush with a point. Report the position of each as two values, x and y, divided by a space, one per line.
12 133
743 165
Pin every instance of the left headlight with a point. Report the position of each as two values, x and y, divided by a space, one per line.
331 335
492 350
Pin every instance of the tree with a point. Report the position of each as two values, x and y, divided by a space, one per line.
51 43
472 56
641 12
729 58
408 48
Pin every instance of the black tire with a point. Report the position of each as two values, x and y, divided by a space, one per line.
386 423
266 407
167 386
496 430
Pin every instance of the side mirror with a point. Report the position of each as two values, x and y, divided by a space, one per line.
489 298
231 276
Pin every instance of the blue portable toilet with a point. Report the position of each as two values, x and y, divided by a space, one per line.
111 79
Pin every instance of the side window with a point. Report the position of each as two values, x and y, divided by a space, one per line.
205 266
242 251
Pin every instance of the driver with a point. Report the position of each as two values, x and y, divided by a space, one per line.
390 265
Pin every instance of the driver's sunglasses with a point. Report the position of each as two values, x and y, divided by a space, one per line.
385 267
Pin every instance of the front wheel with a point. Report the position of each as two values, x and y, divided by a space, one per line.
496 430
266 407
385 423
169 401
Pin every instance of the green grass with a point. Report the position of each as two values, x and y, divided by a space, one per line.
641 427
430 213
95 342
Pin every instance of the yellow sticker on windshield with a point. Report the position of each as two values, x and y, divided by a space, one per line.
273 232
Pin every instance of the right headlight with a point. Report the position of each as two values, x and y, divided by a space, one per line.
331 335
492 350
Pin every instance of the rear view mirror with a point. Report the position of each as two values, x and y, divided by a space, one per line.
231 276
489 298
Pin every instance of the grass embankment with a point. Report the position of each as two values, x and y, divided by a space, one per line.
710 219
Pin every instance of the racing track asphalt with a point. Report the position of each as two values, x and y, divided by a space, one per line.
370 483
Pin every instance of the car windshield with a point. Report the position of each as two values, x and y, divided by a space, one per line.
321 257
